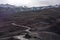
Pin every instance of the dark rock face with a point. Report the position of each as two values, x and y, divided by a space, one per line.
27 36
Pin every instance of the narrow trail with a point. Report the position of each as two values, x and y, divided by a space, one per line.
21 37
28 28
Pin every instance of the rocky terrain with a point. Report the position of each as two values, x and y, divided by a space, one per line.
43 24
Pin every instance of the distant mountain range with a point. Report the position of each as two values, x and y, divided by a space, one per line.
6 9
